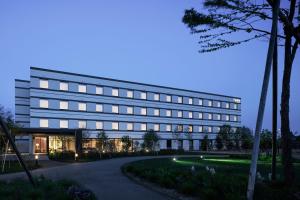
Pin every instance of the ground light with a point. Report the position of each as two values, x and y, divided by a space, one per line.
76 155
36 157
174 159
201 157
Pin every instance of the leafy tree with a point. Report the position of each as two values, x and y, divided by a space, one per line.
8 118
220 20
204 143
225 137
150 140
246 137
266 140
219 142
177 134
126 143
102 142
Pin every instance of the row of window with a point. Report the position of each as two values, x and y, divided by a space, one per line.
44 123
64 86
64 105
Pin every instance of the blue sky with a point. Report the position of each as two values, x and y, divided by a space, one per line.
142 41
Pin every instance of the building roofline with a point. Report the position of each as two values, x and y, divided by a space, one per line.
21 80
131 82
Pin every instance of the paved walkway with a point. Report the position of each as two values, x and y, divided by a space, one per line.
104 178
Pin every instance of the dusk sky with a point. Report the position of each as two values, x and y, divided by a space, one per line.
143 41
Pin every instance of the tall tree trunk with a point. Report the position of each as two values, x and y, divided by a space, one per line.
285 120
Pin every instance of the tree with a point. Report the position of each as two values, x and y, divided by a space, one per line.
8 118
102 142
246 137
177 134
219 142
204 143
223 18
266 140
126 143
150 140
225 136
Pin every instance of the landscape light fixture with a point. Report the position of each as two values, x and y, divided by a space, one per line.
76 155
174 159
36 157
201 157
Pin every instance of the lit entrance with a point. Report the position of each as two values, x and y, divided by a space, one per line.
40 144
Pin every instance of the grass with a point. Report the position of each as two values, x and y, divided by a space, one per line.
14 166
45 189
229 181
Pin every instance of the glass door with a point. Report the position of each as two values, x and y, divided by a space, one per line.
40 145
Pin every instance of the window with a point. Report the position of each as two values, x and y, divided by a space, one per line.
115 126
179 100
81 124
143 111
63 124
218 129
218 104
129 126
209 116
115 109
156 112
235 118
44 123
82 106
235 106
44 103
156 97
190 100
168 127
82 88
209 129
190 114
64 105
129 110
156 127
168 98
200 129
168 113
226 117
179 113
99 90
64 86
143 95
44 83
179 128
99 125
99 107
226 105
115 92
190 128
129 94
200 102
200 115
209 103
218 116
143 127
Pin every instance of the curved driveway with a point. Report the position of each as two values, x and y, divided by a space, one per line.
103 177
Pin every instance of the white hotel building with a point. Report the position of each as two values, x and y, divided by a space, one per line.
52 104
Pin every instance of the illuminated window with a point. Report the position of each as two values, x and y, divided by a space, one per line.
209 129
235 118
143 127
156 127
200 129
179 128
235 106
200 102
209 103
218 104
200 115
143 95
82 106
129 126
179 100
81 124
179 113
190 128
156 112
44 123
218 129
168 127
99 125
115 109
44 103
63 124
82 88
64 86
227 117
226 105
129 110
99 90
190 114
156 97
168 113
218 116
168 98
64 105
115 92
44 83
129 94
209 116
99 107
115 126
190 100
143 111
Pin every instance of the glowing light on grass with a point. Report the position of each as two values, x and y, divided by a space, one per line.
227 160
201 157
174 159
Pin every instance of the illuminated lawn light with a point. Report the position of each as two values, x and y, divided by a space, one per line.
201 157
174 159
36 157
76 155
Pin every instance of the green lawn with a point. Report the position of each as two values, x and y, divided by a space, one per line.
228 182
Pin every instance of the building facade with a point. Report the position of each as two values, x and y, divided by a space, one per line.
53 106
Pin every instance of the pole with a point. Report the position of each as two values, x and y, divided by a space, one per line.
8 135
262 102
274 112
